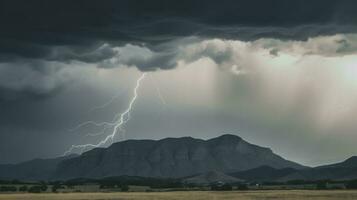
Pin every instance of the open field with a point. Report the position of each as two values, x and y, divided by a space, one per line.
251 195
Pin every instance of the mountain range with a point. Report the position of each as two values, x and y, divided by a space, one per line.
227 157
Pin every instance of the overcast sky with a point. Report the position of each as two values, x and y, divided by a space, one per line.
280 74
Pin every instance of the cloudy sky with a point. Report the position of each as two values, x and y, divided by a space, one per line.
281 74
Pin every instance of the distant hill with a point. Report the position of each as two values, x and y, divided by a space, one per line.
37 169
346 170
349 163
171 157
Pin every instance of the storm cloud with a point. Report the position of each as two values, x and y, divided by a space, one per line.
41 77
90 30
70 30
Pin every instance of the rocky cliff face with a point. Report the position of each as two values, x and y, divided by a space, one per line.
171 157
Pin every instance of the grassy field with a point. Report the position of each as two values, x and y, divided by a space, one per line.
251 195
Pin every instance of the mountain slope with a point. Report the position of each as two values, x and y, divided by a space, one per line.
348 163
264 173
171 157
37 169
346 170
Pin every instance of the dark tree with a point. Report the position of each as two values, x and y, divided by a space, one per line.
124 188
224 187
242 187
35 189
56 186
321 185
351 184
23 188
8 189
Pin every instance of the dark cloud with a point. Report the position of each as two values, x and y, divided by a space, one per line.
35 78
41 29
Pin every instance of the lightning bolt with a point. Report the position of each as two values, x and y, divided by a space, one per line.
116 124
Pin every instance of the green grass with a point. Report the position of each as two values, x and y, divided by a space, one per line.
199 195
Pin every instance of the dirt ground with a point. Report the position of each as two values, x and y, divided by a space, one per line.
249 195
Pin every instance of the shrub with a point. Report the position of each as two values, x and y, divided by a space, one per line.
57 186
23 188
107 186
35 189
224 187
321 186
44 187
351 184
242 187
8 189
124 188
15 182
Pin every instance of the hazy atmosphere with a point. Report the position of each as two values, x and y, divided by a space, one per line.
281 76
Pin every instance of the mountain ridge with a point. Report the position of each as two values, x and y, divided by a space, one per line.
178 158
171 157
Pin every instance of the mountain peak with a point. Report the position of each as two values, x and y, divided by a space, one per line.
351 160
227 137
